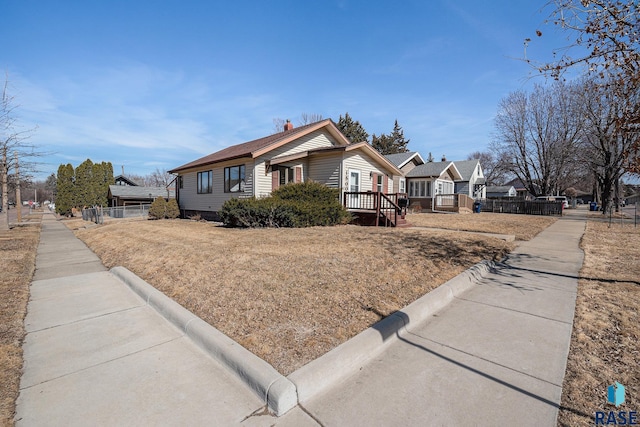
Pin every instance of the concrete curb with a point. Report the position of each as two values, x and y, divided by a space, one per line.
278 393
336 365
283 393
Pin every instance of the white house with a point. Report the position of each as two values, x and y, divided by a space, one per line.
472 183
317 151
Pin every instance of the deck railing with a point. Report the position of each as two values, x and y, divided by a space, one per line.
388 205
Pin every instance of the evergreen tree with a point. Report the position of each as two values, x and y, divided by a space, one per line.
83 188
383 143
158 208
173 210
102 177
65 187
391 144
353 130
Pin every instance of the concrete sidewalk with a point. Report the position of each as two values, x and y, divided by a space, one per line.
494 356
96 353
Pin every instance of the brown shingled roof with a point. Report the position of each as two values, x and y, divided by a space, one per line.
250 148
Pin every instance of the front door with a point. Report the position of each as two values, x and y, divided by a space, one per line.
354 187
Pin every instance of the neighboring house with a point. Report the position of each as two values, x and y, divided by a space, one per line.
521 191
429 179
123 180
405 162
501 191
317 151
127 195
473 183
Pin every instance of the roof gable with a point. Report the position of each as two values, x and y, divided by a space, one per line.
467 168
401 159
434 169
263 145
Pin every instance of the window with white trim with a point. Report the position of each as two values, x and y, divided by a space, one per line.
419 188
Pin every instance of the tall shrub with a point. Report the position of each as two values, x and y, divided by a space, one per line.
173 210
158 208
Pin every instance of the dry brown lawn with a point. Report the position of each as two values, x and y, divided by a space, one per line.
17 264
605 344
289 295
524 227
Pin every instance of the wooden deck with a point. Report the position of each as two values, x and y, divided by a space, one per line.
375 208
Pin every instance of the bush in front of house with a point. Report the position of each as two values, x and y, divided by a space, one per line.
256 213
293 205
158 208
313 203
173 210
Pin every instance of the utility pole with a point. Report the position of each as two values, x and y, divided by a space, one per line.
18 198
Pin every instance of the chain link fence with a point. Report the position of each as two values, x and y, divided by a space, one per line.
98 213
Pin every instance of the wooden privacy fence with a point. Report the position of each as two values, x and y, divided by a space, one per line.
527 207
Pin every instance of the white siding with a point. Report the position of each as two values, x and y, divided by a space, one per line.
365 164
326 169
318 139
191 200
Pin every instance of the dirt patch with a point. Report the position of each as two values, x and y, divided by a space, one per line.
289 295
605 344
524 227
17 263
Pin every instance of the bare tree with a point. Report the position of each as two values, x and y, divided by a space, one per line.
537 136
13 146
607 33
493 167
306 118
278 125
159 178
605 146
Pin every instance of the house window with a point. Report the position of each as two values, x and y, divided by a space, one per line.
379 183
205 182
234 179
180 182
402 186
419 188
286 175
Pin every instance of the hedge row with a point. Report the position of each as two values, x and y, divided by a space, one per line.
293 205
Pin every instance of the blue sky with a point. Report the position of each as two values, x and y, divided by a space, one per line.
156 84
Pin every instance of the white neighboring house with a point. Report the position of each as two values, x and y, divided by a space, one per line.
317 152
473 183
430 179
501 191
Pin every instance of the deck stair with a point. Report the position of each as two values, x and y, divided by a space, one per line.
375 208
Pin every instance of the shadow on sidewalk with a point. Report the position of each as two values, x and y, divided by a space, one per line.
505 268
488 376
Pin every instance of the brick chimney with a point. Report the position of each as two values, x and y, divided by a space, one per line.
288 125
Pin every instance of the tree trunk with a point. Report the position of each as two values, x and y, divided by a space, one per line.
4 215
